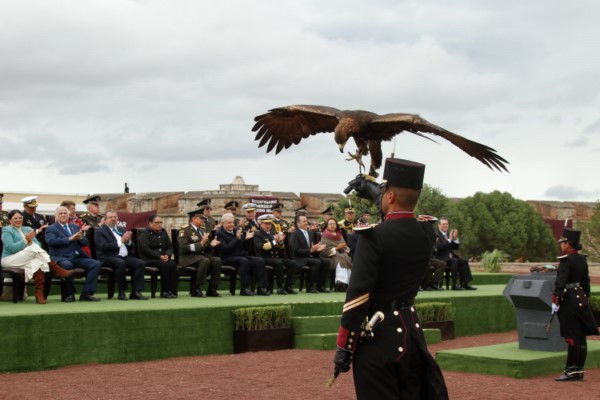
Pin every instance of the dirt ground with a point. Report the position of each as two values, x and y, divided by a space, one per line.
288 374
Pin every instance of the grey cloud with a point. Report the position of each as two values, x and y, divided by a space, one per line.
572 193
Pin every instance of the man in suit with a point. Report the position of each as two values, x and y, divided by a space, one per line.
195 250
306 252
270 247
233 252
65 243
446 243
115 249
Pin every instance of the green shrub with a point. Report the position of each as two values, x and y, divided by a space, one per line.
254 318
491 260
431 312
595 303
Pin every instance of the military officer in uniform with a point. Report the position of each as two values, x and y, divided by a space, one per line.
232 208
327 215
195 249
4 219
571 303
249 223
32 219
271 248
388 267
347 224
92 217
210 223
279 224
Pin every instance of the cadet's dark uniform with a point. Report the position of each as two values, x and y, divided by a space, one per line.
571 292
386 277
91 220
347 226
210 224
192 253
35 221
388 266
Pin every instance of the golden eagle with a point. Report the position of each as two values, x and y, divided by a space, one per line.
284 126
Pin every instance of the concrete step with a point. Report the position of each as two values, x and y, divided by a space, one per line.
316 324
326 341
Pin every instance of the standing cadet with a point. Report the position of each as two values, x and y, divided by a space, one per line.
92 217
4 219
387 269
571 303
327 215
232 208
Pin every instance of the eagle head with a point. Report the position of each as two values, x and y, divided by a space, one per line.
344 130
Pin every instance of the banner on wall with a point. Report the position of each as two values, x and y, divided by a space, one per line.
129 221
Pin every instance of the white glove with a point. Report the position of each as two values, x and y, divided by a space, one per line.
555 308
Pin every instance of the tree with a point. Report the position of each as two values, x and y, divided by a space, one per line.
496 220
433 202
360 206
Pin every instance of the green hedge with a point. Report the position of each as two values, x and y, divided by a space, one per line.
253 318
432 312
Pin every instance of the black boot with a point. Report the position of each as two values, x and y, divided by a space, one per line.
570 374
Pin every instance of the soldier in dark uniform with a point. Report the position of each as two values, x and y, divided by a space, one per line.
327 215
249 223
195 249
209 222
347 224
4 219
279 224
34 220
92 217
571 303
232 207
388 266
271 248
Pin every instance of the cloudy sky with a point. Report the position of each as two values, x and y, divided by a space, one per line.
162 93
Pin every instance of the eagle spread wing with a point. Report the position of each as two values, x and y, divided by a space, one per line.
384 127
281 127
285 126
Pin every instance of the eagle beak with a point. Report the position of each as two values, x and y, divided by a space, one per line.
341 146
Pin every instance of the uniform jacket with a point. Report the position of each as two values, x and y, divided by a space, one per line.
265 245
12 240
190 249
92 220
33 221
106 243
153 245
60 247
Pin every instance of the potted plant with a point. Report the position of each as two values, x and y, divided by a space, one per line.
262 328
437 316
492 260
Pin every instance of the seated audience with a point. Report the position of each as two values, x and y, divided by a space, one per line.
65 243
337 251
21 250
233 252
115 249
74 219
434 275
156 250
305 252
32 219
271 248
446 243
196 250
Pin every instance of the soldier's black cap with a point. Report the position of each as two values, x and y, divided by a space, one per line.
570 235
231 204
403 173
197 213
301 210
328 210
277 207
205 203
92 200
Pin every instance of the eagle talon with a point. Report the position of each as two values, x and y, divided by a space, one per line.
358 157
